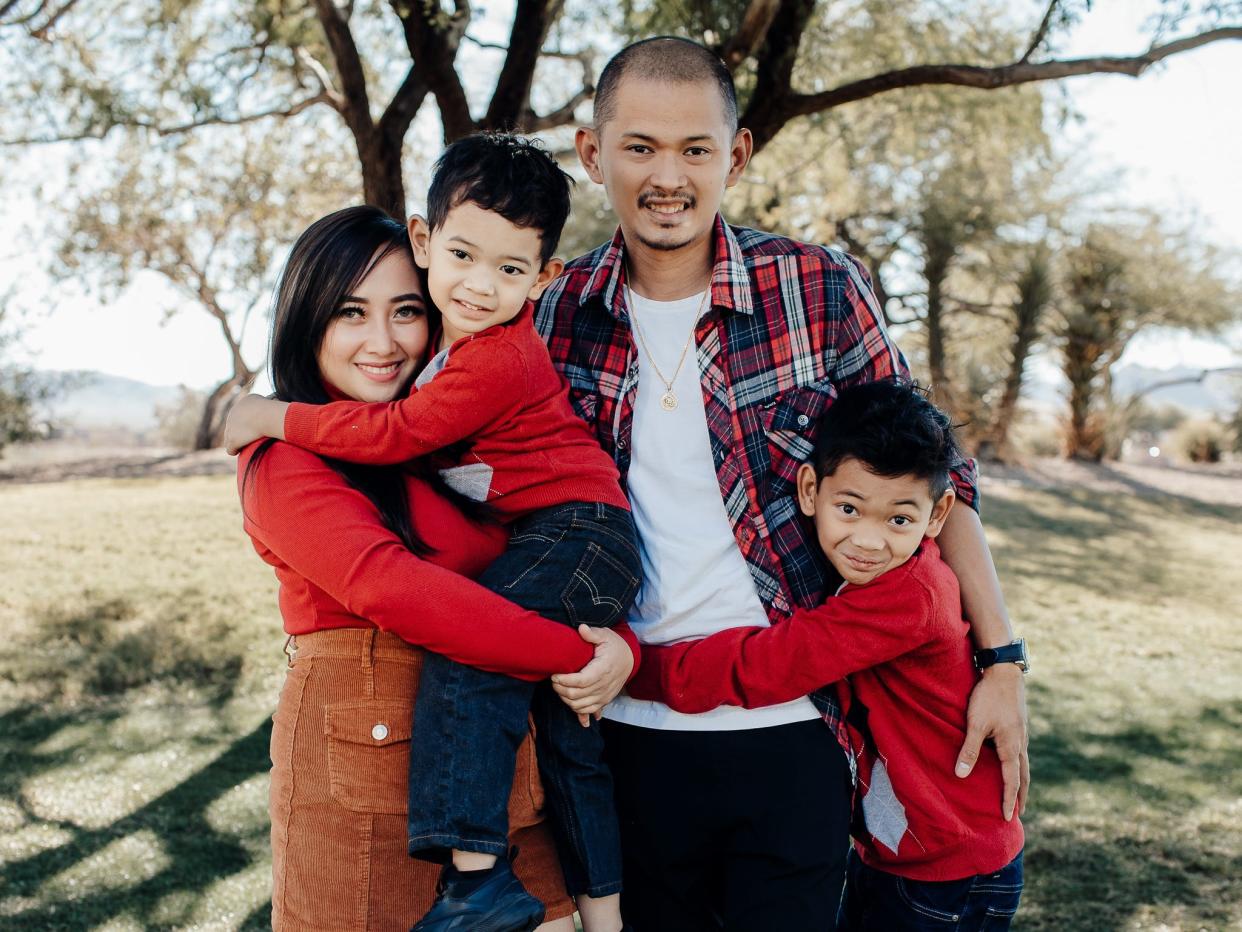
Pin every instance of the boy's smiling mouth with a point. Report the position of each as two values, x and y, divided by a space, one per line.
472 309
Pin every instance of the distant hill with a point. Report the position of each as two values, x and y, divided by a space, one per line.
94 400
1217 394
1045 389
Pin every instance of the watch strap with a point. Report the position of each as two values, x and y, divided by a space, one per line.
1009 653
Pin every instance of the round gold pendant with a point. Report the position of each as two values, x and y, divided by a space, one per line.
668 401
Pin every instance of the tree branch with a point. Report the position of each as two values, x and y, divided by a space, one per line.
432 44
356 104
39 32
173 129
1002 75
1137 396
402 109
774 69
770 111
511 99
1041 33
315 67
561 115
751 32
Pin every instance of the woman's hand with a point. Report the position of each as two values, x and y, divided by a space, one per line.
597 684
251 418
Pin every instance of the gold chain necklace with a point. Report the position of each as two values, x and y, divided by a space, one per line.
668 401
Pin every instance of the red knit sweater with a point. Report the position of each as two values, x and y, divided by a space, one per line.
498 391
340 567
903 644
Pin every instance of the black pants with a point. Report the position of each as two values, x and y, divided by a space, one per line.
742 831
576 564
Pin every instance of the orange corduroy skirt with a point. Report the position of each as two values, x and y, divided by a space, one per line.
340 753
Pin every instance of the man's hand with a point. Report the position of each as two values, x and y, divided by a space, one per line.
252 418
597 684
997 710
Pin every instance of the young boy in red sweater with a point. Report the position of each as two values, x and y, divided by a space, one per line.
930 851
496 414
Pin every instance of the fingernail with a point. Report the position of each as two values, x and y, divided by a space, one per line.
963 768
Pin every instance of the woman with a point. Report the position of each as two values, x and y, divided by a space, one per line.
372 564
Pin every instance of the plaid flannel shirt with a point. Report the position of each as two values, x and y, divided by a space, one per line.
789 324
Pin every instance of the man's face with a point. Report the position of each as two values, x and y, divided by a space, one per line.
665 159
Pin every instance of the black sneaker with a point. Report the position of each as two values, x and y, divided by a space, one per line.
498 904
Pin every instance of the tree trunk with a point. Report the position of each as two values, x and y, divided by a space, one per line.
210 432
936 271
382 183
1034 293
1085 435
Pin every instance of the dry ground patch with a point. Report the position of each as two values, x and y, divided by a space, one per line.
140 661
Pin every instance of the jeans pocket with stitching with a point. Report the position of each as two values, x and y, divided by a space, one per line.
601 588
940 901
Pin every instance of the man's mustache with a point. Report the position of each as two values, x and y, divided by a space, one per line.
645 199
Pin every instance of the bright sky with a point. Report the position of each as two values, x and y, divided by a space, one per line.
1169 132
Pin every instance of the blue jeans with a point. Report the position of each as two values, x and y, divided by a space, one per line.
576 564
877 901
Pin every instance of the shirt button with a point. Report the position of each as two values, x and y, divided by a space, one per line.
379 731
803 420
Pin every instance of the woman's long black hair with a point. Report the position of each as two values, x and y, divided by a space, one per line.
327 262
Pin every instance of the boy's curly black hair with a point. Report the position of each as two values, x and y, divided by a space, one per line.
509 174
891 428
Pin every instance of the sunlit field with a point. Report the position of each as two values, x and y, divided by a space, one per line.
140 662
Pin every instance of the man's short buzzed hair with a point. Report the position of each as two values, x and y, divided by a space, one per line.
664 58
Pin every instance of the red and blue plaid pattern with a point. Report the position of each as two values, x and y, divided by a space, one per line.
789 324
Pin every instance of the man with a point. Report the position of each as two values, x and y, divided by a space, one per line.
734 818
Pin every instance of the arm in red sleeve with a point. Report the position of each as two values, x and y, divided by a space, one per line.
329 533
635 648
483 382
753 667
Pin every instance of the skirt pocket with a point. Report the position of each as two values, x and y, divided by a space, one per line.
369 754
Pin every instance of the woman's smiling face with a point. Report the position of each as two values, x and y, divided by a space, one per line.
376 341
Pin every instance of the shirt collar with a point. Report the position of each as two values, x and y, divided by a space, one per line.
730 282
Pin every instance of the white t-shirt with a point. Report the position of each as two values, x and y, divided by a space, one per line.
695 580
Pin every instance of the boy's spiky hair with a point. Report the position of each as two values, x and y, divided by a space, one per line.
891 428
506 173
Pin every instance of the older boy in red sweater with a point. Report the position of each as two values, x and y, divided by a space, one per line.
929 849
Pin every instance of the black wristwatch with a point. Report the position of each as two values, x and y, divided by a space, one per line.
1014 652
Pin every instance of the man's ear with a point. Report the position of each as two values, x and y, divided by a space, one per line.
551 269
808 485
940 511
586 141
420 240
739 155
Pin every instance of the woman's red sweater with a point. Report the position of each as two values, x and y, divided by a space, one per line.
340 567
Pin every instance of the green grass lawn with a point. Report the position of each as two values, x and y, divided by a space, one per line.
140 661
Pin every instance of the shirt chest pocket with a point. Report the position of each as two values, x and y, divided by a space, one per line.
791 420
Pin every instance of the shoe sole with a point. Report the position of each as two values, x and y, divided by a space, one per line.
504 924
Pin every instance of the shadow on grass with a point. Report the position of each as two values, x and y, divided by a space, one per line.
1078 538
1110 832
1100 885
1186 505
197 853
